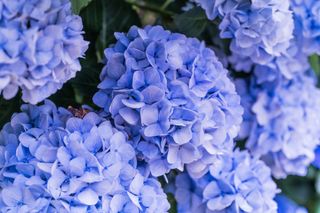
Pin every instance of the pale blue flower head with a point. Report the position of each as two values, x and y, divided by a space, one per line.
281 122
234 183
41 42
171 94
22 196
307 22
259 29
289 64
72 164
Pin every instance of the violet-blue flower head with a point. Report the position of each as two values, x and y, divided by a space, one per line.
171 94
234 183
307 22
260 29
53 161
41 43
281 122
289 64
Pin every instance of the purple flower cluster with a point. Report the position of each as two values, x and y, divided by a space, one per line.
281 122
291 63
171 94
256 28
167 104
307 22
52 161
280 103
41 43
234 183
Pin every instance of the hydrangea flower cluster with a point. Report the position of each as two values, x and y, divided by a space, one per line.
234 183
307 23
171 94
255 27
291 63
285 205
52 161
281 122
41 42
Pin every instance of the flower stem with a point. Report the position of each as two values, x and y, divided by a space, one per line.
152 7
166 4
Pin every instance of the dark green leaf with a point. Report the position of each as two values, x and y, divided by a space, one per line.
102 18
192 23
77 5
300 189
8 108
64 97
315 64
173 203
317 207
86 82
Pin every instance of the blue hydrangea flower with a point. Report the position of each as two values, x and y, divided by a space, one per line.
307 22
285 205
260 30
291 63
173 96
21 197
281 122
40 45
52 161
234 183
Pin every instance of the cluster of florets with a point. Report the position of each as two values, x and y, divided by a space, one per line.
307 24
256 28
280 116
234 183
171 106
290 64
294 60
281 122
41 42
52 161
171 94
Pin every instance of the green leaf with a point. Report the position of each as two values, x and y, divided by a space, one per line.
173 203
192 23
8 107
315 64
65 96
77 5
86 82
317 185
103 18
299 189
